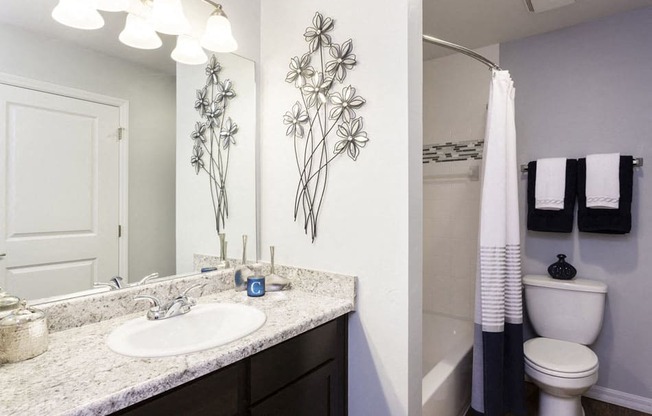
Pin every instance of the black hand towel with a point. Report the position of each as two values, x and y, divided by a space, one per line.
606 221
546 220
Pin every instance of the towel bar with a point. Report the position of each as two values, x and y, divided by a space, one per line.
638 162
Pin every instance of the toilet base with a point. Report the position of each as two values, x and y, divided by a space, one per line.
550 405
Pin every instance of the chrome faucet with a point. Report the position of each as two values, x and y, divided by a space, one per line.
114 283
147 278
178 306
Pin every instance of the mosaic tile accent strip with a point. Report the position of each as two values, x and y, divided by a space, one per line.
453 152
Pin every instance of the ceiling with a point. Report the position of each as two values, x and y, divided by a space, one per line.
477 23
471 23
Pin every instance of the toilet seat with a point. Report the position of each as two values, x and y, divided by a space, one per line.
560 358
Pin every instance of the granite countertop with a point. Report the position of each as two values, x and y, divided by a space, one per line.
80 375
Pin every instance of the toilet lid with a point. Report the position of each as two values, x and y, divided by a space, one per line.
560 358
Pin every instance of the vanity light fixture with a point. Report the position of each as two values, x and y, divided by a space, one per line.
138 33
189 51
145 18
80 14
168 17
112 5
218 36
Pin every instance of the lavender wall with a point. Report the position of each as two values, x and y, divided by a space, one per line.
588 89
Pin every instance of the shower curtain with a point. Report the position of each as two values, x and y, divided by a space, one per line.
498 366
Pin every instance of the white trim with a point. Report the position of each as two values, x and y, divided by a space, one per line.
123 216
36 85
123 107
630 401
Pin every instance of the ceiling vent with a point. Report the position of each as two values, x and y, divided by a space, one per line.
538 6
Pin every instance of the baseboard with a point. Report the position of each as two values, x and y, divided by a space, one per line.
630 401
466 410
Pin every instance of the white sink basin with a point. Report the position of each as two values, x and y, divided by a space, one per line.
206 326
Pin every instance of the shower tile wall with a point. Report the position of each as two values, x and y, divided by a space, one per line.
451 211
456 90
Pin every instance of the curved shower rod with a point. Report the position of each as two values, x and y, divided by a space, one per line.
461 49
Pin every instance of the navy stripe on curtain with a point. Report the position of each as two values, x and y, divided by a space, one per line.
503 373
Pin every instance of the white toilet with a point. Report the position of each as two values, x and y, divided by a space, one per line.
567 315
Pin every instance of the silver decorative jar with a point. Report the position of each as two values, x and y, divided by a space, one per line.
23 334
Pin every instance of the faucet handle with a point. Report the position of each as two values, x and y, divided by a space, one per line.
154 302
111 285
190 300
147 278
198 285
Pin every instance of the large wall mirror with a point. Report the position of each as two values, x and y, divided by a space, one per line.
81 200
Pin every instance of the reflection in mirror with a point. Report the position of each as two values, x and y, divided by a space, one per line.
95 153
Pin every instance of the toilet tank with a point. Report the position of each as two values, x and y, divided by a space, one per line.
568 310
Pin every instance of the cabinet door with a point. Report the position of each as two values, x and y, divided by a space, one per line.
221 393
273 369
311 395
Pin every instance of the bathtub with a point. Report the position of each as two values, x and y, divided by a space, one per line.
447 365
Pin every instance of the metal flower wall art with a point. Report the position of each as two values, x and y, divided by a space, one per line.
323 123
214 137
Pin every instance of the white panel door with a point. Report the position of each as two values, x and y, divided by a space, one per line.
59 194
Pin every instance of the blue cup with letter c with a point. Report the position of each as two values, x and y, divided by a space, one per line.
256 286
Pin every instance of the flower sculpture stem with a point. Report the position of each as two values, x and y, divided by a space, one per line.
213 136
321 111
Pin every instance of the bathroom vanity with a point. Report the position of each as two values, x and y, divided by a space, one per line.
303 375
294 364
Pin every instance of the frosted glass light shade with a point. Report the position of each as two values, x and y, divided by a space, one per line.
112 5
167 17
138 33
218 36
80 14
188 51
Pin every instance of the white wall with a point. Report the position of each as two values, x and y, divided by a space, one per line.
370 224
196 233
455 94
451 209
151 131
456 89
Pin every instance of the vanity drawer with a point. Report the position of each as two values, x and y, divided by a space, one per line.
277 367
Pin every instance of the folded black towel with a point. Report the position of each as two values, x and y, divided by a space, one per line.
546 220
606 221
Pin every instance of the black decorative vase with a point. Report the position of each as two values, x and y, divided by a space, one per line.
562 270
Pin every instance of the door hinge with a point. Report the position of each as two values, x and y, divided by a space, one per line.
121 132
119 231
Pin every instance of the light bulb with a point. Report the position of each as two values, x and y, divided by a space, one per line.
167 17
188 51
138 33
112 5
80 14
218 36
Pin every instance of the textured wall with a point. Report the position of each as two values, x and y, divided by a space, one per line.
583 90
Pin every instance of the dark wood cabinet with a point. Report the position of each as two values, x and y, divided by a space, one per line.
305 375
311 395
